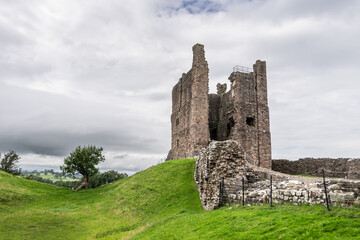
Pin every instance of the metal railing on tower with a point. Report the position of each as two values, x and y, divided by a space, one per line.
243 69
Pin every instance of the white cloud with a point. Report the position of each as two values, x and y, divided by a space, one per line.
90 72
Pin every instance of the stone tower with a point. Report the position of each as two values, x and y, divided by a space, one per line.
241 114
190 107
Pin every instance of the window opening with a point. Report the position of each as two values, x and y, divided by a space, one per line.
213 134
229 126
250 121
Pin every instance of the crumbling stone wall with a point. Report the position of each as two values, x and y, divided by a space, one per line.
228 160
240 114
220 159
189 118
339 168
244 114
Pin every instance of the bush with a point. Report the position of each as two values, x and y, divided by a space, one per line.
67 184
39 179
100 179
97 180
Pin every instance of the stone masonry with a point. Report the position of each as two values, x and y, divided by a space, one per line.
241 114
228 160
219 160
340 167
189 118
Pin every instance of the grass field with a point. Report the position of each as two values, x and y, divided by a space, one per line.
159 203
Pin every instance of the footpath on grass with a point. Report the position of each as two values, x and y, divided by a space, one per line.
160 202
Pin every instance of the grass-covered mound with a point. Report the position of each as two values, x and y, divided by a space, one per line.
159 203
33 210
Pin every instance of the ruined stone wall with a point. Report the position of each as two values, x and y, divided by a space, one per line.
181 98
227 159
189 119
240 114
226 121
341 192
339 168
214 107
263 116
220 159
243 114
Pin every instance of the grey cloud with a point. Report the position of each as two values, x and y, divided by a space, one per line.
62 142
159 96
120 156
54 125
194 7
10 37
20 68
104 73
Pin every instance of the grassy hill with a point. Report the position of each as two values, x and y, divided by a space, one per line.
159 203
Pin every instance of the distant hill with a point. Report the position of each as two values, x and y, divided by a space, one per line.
160 202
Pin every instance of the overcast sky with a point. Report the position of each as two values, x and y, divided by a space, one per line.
101 72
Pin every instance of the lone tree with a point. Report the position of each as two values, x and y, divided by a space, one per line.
9 161
83 161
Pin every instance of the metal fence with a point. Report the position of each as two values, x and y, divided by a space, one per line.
243 69
224 197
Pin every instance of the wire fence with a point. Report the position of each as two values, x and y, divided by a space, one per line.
347 189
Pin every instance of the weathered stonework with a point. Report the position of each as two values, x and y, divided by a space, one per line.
297 190
339 168
189 118
220 159
228 160
241 114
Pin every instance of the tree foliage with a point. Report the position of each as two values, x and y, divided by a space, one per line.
100 179
83 160
9 161
95 181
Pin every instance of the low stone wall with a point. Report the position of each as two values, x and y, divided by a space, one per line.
338 168
227 160
341 192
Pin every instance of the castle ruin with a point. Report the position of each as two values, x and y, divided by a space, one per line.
240 114
229 132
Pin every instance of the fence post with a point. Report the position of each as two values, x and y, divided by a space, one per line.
221 192
326 197
271 191
243 191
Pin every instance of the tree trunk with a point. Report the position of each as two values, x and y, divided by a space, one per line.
85 183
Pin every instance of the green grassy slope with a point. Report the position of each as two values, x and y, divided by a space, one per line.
33 210
159 203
